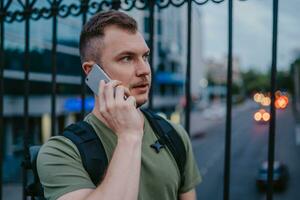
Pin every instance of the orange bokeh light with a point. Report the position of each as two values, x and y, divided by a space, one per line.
266 101
257 116
281 102
258 97
266 116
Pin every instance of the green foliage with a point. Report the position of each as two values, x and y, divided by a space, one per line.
257 81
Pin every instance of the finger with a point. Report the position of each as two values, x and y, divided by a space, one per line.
127 92
114 83
119 90
131 100
109 94
102 104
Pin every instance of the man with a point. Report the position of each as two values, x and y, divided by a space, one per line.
135 171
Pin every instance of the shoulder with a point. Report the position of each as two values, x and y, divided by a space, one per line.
59 145
60 168
55 149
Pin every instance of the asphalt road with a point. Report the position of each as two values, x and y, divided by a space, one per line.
249 148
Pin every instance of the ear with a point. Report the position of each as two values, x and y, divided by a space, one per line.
87 66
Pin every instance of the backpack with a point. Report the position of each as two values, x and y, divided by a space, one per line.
93 155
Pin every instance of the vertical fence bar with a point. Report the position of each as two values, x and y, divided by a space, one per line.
54 11
188 69
151 46
26 92
271 145
226 184
296 99
1 90
116 4
84 7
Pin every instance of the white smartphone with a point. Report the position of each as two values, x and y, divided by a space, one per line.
94 77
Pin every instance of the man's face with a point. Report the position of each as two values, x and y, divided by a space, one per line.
124 57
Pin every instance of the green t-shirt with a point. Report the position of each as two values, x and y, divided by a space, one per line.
60 167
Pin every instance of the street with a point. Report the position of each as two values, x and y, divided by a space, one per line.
248 149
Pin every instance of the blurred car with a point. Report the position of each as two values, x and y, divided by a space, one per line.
261 115
280 176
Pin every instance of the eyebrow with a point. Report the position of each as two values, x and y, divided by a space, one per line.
131 53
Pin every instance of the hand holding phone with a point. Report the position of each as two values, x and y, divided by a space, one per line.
133 117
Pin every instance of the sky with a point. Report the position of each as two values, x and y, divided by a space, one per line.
252 32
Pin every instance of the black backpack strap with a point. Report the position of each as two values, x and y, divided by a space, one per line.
168 135
90 147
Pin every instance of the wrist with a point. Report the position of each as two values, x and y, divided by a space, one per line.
132 138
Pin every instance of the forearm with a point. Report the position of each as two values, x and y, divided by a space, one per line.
121 180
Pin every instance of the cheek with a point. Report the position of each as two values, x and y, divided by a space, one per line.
125 75
125 78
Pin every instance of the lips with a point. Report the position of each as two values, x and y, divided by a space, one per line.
141 87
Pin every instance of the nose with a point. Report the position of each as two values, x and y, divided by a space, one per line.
143 68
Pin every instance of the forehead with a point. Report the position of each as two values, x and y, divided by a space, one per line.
117 40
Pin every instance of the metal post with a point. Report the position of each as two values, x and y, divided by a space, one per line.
151 46
226 185
84 6
296 74
54 10
188 69
115 4
26 95
271 146
1 90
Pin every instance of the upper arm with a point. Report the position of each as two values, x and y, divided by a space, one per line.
76 195
60 168
190 195
191 172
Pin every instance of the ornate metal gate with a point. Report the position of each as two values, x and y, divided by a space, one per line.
57 9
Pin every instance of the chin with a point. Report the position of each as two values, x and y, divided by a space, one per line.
141 100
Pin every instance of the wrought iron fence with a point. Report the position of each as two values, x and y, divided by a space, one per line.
57 9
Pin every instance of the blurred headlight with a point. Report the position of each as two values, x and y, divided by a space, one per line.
266 116
257 116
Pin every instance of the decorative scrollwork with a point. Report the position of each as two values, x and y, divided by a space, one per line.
202 2
95 6
41 13
59 9
127 5
165 3
67 10
14 16
217 1
10 16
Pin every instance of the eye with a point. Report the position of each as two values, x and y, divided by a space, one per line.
126 59
146 57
